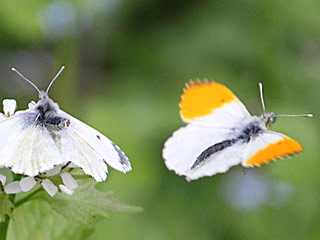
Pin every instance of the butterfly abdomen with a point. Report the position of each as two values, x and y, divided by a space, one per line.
248 132
212 150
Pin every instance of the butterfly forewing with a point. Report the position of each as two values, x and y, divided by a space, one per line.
211 104
25 147
36 153
109 152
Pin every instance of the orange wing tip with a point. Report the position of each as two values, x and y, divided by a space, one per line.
201 97
281 149
195 82
272 160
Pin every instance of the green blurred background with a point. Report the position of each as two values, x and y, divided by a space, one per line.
126 65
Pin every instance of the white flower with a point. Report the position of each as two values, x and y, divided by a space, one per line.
49 187
12 188
31 104
27 183
54 171
65 189
3 179
9 106
69 181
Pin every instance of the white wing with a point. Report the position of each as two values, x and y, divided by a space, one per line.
27 148
104 147
2 117
74 149
31 149
187 143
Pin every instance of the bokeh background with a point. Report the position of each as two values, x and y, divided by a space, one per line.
126 65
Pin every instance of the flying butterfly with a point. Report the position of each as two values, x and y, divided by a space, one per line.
220 133
35 140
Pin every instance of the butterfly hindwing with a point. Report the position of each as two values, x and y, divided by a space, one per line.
268 146
187 143
77 151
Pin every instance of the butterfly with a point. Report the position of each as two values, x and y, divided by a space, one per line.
220 133
35 140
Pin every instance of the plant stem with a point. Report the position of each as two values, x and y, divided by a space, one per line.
26 198
4 225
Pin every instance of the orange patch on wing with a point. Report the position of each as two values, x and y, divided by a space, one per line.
202 98
281 148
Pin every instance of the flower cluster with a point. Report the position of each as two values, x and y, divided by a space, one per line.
27 183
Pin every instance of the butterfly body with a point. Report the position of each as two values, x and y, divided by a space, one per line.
241 134
45 113
220 133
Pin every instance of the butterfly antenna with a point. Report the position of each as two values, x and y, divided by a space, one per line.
61 69
20 74
289 115
261 97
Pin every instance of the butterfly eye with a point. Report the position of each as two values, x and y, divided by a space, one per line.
68 123
268 123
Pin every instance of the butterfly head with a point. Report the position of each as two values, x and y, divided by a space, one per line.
43 95
269 118
46 109
46 100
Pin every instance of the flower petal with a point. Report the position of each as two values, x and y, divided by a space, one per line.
54 171
72 165
27 183
65 189
3 179
49 187
69 181
12 188
9 106
31 104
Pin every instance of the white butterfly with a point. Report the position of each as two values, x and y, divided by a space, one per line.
221 133
37 139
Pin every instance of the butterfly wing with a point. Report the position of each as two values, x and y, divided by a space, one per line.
187 143
2 117
211 104
25 147
76 150
104 147
269 146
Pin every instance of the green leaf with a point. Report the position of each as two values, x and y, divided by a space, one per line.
36 220
85 203
6 206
